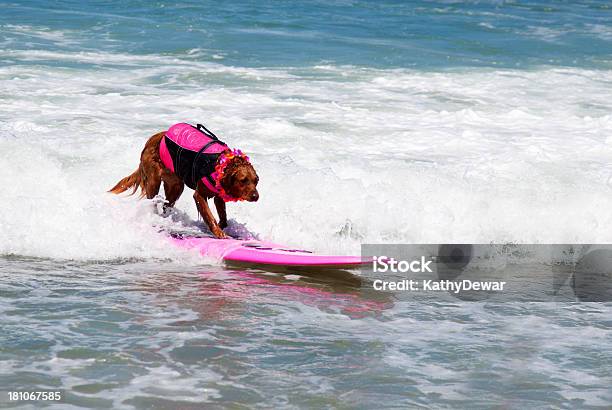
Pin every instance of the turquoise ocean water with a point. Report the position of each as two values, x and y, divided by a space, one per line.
419 34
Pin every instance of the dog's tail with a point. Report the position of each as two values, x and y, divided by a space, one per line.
132 181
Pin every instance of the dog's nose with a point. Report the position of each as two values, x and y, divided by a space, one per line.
254 196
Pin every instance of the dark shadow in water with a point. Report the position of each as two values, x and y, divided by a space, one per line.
330 290
331 276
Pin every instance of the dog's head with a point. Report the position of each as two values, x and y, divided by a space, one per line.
240 180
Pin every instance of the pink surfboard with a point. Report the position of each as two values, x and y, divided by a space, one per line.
264 253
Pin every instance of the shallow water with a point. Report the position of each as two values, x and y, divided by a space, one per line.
154 335
368 122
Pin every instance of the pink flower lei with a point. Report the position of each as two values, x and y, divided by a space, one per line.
222 163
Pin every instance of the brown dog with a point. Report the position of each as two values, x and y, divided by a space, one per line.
186 155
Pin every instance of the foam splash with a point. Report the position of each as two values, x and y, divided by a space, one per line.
345 155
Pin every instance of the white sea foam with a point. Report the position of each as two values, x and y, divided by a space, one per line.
602 31
28 33
345 155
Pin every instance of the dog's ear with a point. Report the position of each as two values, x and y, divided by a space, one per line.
229 178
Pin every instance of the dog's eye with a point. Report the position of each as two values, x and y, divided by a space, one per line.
244 180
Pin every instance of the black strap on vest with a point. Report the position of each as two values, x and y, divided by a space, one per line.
215 140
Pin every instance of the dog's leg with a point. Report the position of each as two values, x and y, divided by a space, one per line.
151 173
202 205
152 184
151 167
173 188
220 205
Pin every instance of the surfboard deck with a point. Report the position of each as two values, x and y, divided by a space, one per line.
250 251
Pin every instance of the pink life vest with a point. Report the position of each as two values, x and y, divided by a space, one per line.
191 153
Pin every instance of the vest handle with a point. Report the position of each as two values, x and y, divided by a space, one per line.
206 131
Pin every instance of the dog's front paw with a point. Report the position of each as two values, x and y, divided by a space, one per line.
219 234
